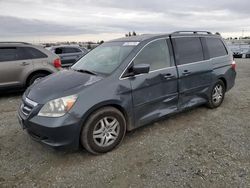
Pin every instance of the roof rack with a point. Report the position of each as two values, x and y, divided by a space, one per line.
193 32
14 42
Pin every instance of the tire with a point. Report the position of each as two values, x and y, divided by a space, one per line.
103 131
35 77
217 95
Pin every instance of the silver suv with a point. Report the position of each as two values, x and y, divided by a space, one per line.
21 64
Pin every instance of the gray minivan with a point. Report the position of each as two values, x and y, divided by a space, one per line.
124 84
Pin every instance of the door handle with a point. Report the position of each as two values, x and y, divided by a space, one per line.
25 63
168 76
186 72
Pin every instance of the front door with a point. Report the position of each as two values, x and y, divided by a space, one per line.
12 66
154 94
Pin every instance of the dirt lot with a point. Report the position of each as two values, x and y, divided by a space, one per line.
199 148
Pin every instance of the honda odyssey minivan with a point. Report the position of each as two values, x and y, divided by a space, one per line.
124 84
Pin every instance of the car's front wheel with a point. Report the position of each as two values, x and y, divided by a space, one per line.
103 131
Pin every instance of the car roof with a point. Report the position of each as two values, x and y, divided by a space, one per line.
15 44
66 46
139 38
143 37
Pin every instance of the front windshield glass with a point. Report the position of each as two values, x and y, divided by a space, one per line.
105 58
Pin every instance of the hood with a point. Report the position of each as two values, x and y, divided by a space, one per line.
60 84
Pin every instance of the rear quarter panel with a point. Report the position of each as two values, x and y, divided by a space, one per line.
46 63
222 70
41 64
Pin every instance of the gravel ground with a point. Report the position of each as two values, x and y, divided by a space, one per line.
198 148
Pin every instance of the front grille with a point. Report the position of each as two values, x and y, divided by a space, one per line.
26 109
27 106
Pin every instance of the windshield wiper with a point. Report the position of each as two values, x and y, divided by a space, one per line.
85 71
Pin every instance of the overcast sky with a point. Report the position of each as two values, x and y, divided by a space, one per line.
83 20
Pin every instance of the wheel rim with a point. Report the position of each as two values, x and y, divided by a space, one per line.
217 94
106 131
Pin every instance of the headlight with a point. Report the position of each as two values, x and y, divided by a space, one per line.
58 107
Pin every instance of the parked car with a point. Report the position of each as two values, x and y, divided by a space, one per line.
21 64
246 53
124 84
237 54
69 54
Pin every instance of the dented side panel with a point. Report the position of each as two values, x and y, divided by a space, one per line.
194 87
154 95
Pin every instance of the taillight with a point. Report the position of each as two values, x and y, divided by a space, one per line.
233 65
57 63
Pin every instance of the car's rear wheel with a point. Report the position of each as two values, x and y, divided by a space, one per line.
35 78
217 95
103 131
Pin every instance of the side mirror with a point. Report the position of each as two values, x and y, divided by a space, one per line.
141 69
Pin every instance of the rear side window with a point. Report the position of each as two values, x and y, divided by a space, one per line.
188 50
20 53
30 53
8 54
71 50
216 48
156 54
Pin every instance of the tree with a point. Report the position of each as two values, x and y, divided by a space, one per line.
129 34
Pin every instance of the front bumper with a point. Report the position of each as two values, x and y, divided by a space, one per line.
59 133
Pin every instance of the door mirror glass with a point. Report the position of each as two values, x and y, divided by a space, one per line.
141 69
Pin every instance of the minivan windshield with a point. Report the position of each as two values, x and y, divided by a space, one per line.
105 58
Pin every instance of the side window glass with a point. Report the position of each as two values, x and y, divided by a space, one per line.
70 50
156 54
77 50
215 47
188 50
58 51
30 53
8 54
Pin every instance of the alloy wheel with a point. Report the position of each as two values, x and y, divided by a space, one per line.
217 94
106 131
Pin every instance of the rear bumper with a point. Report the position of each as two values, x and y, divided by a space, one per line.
58 133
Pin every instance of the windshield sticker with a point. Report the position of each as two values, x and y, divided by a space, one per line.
131 43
